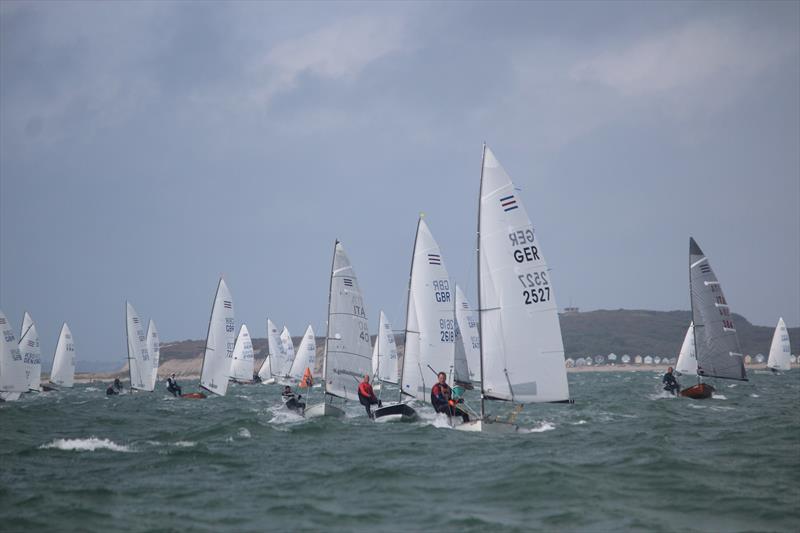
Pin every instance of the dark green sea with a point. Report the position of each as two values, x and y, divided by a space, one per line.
623 457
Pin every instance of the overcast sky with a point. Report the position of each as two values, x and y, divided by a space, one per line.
147 148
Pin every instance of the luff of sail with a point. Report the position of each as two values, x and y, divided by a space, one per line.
687 361
139 365
521 343
63 371
12 368
716 343
347 344
243 361
306 355
154 349
219 343
31 353
780 349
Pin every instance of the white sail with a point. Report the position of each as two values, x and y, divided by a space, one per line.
780 350
288 349
470 339
716 343
412 377
31 352
278 356
139 365
265 372
384 356
465 341
63 371
347 344
13 378
243 360
522 348
687 360
154 349
306 355
219 343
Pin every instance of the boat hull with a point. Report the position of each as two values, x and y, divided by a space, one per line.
193 396
486 426
701 391
323 409
397 412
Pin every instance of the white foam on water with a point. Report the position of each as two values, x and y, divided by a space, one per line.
579 423
281 415
731 385
184 444
541 428
244 433
718 396
85 445
754 395
663 395
91 389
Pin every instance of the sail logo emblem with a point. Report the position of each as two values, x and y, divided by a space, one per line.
348 282
434 259
227 305
508 203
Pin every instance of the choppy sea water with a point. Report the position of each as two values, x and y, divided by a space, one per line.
623 457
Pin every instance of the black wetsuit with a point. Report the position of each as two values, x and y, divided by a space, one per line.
440 399
110 391
173 387
293 402
118 385
670 383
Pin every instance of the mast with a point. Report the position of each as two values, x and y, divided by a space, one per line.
328 326
480 305
691 307
408 307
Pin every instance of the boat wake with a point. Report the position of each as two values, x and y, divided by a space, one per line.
541 428
85 445
282 416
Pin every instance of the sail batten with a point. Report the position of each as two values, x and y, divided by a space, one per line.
716 343
522 352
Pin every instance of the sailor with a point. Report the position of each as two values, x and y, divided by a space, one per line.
291 400
670 383
111 391
367 396
443 401
117 384
172 386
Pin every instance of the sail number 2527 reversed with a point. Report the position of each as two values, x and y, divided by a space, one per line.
536 287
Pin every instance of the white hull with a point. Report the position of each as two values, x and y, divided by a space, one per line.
323 409
395 413
485 426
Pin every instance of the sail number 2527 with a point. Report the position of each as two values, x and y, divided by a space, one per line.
536 287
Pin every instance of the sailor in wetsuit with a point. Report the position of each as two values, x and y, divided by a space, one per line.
111 391
292 401
117 385
172 386
367 396
670 383
442 399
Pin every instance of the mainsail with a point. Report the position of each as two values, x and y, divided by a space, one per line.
279 363
469 340
306 355
780 350
31 353
63 371
154 349
139 365
347 344
243 361
384 353
288 349
687 361
12 368
461 371
219 343
520 335
716 342
434 320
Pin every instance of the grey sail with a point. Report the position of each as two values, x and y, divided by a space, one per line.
716 343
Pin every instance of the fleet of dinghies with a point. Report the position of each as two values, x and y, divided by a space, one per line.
510 347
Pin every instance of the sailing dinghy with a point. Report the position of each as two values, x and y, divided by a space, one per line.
430 325
521 349
243 362
62 373
13 379
780 351
219 345
139 365
154 349
716 344
347 357
31 353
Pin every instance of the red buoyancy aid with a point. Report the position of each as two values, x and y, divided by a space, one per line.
365 389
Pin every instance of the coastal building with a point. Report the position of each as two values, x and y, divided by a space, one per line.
626 359
638 360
